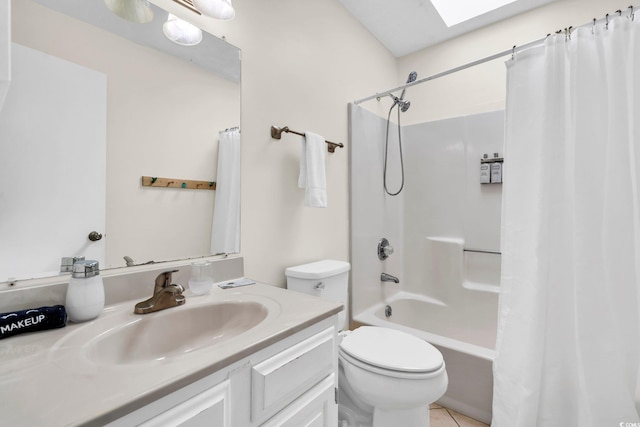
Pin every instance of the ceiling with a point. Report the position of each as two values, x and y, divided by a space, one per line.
406 26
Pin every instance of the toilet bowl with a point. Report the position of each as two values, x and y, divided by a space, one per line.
387 378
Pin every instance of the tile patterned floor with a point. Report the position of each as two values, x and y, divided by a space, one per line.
443 417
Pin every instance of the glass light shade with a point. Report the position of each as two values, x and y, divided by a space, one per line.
137 11
218 9
181 32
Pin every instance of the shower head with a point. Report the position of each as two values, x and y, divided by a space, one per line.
400 102
412 78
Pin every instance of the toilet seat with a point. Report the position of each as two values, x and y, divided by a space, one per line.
390 352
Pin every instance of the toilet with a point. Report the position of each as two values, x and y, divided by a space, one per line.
387 378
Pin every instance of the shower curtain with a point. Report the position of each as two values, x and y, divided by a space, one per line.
225 229
568 348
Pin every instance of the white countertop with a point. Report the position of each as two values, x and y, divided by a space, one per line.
47 379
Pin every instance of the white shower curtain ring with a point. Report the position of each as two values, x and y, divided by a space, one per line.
631 13
607 21
513 52
593 27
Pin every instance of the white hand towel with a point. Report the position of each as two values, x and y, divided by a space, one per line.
312 175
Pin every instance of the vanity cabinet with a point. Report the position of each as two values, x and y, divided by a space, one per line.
292 382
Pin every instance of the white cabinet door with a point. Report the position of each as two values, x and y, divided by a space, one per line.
316 408
207 409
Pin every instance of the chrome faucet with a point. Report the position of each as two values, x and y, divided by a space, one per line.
384 277
165 295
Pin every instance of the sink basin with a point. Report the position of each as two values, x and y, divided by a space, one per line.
174 332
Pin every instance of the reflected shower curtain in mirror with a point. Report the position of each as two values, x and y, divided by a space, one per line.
568 345
225 229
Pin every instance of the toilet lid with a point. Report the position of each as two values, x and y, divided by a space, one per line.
390 349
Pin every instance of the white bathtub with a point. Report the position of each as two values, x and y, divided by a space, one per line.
465 335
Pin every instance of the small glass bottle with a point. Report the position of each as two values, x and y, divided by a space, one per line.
85 293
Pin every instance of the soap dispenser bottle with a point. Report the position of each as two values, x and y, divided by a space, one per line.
85 293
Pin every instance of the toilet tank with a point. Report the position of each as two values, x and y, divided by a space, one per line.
328 279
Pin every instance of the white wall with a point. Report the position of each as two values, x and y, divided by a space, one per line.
302 62
482 88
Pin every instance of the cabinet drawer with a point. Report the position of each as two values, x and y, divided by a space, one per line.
316 408
277 381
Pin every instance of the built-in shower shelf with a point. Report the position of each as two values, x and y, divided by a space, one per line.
153 181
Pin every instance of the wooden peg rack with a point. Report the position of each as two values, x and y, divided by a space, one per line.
152 181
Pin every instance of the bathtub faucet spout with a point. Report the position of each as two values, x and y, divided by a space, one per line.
384 277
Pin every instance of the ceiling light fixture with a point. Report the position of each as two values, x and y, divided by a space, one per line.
454 12
137 11
181 32
218 9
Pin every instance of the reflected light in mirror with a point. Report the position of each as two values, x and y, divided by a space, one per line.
218 9
137 11
181 32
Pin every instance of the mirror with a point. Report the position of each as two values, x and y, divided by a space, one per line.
166 105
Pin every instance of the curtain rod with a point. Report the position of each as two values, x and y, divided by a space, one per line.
513 51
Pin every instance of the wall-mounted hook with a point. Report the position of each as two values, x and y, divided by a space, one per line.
94 236
148 181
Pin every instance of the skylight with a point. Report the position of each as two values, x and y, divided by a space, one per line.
454 12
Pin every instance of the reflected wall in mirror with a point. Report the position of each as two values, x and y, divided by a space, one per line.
163 118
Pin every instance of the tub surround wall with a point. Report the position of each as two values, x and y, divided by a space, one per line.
442 210
374 214
447 209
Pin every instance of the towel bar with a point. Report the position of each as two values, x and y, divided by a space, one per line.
276 133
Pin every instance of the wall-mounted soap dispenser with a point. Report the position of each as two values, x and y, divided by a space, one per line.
85 293
485 170
491 169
